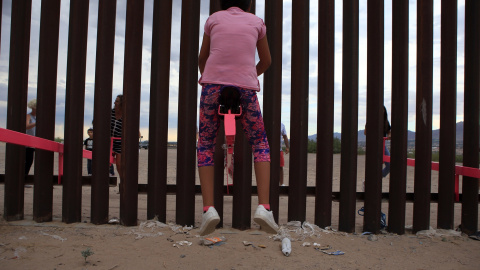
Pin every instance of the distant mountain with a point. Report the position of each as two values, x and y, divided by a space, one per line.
410 136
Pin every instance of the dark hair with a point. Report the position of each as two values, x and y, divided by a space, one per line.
243 4
90 129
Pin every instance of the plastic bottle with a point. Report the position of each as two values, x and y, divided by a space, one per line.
286 246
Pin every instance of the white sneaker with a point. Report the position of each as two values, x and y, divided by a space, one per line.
210 219
265 219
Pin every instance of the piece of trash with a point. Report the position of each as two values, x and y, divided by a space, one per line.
372 237
16 254
246 243
366 233
54 236
323 248
286 247
114 221
169 239
178 244
306 244
262 246
22 238
212 240
338 252
183 256
316 245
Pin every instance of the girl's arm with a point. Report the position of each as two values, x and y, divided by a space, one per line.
204 53
264 55
30 125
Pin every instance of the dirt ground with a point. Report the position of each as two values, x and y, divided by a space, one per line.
26 244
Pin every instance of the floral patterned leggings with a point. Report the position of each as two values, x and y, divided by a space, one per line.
251 119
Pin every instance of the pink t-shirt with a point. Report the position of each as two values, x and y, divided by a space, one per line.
233 42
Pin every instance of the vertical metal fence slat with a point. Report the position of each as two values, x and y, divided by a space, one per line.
399 116
348 166
17 107
242 175
187 113
471 115
219 157
297 199
159 99
448 115
46 100
375 116
423 130
74 110
132 85
219 173
102 110
272 93
325 117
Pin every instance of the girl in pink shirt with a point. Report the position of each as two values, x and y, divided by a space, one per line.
227 58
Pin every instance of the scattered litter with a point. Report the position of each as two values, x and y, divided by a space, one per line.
114 221
16 254
246 243
366 233
212 240
180 229
306 244
54 236
169 239
286 247
183 256
298 231
148 229
372 237
316 245
182 243
438 233
338 252
262 246
22 238
319 248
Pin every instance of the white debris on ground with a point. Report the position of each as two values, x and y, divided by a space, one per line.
149 228
54 236
297 231
438 233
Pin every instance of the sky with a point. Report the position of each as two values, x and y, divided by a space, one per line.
286 59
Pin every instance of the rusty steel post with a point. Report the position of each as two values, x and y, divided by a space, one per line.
398 173
16 108
375 118
159 95
348 163
325 101
74 109
219 157
297 199
187 113
448 115
423 130
102 111
242 175
272 92
471 115
46 97
132 85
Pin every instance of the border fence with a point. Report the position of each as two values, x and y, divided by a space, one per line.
185 189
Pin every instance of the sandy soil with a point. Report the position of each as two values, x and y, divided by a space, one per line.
55 245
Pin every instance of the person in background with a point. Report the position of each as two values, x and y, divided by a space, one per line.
387 131
283 134
89 146
116 126
31 127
